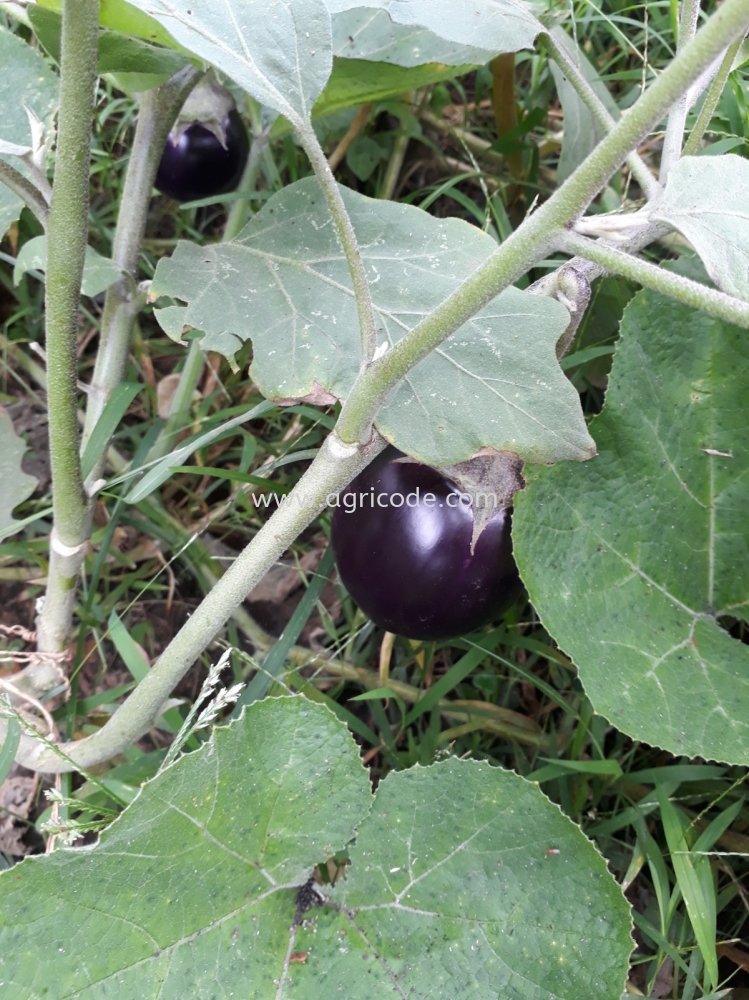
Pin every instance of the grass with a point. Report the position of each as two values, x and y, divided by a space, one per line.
674 832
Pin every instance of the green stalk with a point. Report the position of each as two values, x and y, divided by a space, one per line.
711 100
348 239
159 107
540 232
29 194
692 293
67 237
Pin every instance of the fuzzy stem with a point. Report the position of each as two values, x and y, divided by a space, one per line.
597 108
67 236
711 100
348 239
29 194
677 119
539 232
159 107
332 469
692 293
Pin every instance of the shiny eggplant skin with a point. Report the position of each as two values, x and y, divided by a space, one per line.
198 166
410 567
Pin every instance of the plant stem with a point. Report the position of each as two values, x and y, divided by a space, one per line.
67 236
711 100
348 239
240 209
677 119
29 194
639 169
159 107
360 120
540 231
333 468
692 293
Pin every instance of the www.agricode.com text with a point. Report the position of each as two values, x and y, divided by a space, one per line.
351 501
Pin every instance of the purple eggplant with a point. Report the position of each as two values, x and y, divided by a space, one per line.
401 535
195 163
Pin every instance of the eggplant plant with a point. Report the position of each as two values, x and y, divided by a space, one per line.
464 879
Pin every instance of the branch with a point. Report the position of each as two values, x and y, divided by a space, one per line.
67 237
711 100
649 275
30 195
541 231
158 110
348 240
591 100
677 119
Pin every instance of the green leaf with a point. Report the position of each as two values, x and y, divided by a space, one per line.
368 33
26 79
630 559
357 81
9 747
465 881
285 283
113 412
707 200
582 132
491 25
280 51
125 18
98 272
17 484
452 894
118 53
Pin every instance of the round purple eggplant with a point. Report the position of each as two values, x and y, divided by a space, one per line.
196 164
401 535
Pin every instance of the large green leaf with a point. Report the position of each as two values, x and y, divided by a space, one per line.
493 25
465 882
631 558
368 33
285 283
26 79
280 51
17 484
123 17
707 200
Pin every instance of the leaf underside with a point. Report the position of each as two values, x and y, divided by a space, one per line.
631 559
285 283
464 881
707 200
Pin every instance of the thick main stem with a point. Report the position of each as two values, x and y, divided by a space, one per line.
691 293
333 468
159 108
67 236
539 232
